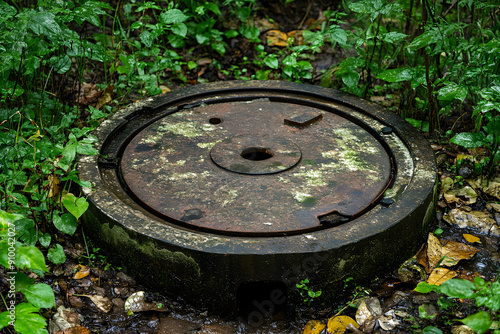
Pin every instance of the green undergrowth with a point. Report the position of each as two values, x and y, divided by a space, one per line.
436 63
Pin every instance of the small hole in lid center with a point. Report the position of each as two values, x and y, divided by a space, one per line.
256 153
215 120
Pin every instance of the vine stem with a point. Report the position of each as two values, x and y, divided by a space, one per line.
367 65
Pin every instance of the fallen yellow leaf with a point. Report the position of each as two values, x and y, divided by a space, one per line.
314 327
471 238
83 272
338 324
276 38
440 275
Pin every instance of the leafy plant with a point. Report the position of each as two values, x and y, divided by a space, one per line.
307 293
485 294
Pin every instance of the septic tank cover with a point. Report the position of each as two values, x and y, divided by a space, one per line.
274 169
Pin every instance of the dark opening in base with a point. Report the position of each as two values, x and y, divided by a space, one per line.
258 301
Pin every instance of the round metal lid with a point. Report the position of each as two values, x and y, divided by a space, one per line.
256 167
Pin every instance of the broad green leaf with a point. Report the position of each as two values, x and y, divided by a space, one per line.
243 13
45 239
424 287
56 255
338 35
180 29
213 7
61 63
30 257
423 40
351 79
28 321
66 223
272 62
431 330
219 47
173 16
457 288
202 39
231 33
397 74
43 23
479 322
451 92
469 140
40 295
89 12
7 221
147 38
23 281
5 319
393 37
4 255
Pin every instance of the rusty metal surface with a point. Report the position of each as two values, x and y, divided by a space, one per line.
255 167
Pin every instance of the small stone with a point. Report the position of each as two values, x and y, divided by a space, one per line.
118 302
121 290
124 277
75 301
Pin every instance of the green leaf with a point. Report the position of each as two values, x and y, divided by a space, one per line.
173 16
30 257
431 330
40 295
7 220
180 29
338 35
351 79
56 255
23 281
28 321
457 288
45 239
43 23
479 322
451 92
66 223
424 287
397 74
393 37
90 12
423 40
469 140
272 62
147 38
219 47
231 33
243 13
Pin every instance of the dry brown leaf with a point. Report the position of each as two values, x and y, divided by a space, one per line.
434 253
52 186
455 251
338 324
476 219
82 272
471 238
440 275
103 303
314 327
448 254
421 257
